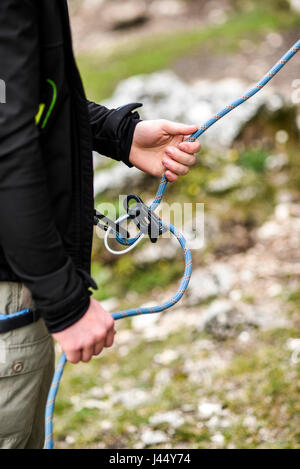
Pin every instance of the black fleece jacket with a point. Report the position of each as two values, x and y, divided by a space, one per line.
47 133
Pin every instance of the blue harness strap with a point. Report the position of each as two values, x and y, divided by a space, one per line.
9 322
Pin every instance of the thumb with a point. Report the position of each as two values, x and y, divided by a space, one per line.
174 128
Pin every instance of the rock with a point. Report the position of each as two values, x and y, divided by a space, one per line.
125 336
167 8
223 320
200 371
269 230
250 422
244 337
274 40
218 439
294 346
150 437
231 178
116 177
97 393
188 408
295 5
70 440
173 419
208 409
162 378
282 212
110 305
106 425
165 96
202 287
218 422
130 399
155 252
145 321
211 282
166 357
274 290
277 162
122 15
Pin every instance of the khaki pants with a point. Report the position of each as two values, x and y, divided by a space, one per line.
26 370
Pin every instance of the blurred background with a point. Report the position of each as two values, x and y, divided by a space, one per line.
222 369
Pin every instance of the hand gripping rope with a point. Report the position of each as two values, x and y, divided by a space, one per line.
132 242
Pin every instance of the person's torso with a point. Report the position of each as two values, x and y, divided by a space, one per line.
65 136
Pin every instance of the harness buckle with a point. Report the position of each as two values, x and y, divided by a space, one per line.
144 218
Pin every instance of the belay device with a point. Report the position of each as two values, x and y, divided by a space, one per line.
151 225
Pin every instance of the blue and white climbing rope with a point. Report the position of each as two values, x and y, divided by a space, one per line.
132 242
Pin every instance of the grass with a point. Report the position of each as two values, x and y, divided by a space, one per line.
271 386
259 382
102 72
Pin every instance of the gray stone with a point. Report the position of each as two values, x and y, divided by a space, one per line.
172 418
295 5
211 282
116 177
150 437
165 96
230 178
223 320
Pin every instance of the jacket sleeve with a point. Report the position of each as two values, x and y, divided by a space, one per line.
28 235
113 129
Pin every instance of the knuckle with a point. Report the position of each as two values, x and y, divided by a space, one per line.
88 343
72 359
86 359
101 335
78 348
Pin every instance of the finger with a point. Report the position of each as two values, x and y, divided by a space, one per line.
87 354
98 348
173 128
181 157
172 177
73 357
190 147
110 338
177 168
